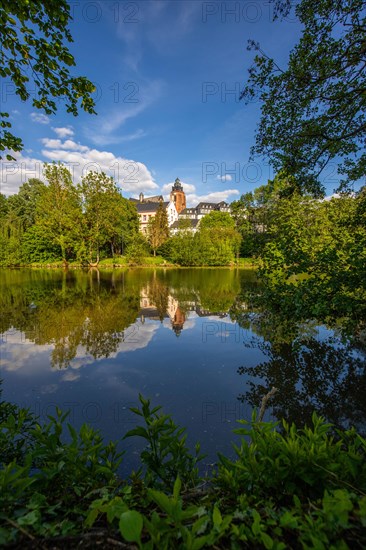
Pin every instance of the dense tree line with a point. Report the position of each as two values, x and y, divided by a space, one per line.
62 221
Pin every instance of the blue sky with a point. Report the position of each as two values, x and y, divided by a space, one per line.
168 76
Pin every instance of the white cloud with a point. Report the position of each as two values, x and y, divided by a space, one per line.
63 132
104 139
215 196
224 177
135 135
132 176
40 118
14 174
67 145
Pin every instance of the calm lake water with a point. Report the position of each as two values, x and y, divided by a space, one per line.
191 340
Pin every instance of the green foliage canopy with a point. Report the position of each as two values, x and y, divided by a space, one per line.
313 111
33 54
59 212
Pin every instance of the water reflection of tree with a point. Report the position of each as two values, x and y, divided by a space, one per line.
158 294
92 311
310 375
214 290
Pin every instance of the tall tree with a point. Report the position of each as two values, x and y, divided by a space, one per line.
34 55
313 111
59 213
109 218
158 228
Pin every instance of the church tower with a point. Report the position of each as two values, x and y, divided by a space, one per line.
178 196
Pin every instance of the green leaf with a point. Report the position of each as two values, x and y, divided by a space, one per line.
130 526
199 542
267 541
139 431
162 500
29 519
216 517
177 487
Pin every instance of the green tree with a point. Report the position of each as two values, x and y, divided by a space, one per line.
253 212
3 207
158 228
34 55
137 249
217 238
108 216
26 201
125 221
59 214
11 231
313 264
35 247
182 248
217 220
313 111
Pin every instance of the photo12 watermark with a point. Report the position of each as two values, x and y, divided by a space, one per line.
116 91
243 12
123 172
119 11
238 172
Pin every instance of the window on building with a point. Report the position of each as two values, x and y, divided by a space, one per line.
144 217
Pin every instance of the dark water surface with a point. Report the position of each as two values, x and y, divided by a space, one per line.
191 340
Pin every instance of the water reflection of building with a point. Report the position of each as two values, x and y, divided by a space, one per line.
178 321
171 309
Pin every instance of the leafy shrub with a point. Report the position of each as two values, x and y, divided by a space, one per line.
167 455
301 489
298 462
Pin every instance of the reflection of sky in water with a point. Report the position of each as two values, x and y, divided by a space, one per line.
193 376
167 337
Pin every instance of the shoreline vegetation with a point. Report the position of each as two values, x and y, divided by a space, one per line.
287 487
309 252
123 262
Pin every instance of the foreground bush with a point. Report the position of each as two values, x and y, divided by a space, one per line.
296 489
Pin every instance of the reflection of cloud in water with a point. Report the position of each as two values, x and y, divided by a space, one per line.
70 376
48 388
19 353
138 336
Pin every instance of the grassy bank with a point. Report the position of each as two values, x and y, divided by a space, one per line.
123 262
